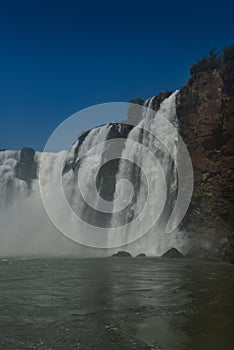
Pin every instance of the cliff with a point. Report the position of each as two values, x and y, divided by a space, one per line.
205 109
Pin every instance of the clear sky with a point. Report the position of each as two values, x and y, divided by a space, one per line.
59 56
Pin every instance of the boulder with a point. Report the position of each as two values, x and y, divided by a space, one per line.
122 254
173 253
142 255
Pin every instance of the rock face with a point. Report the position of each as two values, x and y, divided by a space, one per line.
107 174
173 253
157 100
122 254
26 168
205 109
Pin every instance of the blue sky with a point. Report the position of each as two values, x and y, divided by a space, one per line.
60 56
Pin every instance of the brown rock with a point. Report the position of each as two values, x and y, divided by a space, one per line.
205 109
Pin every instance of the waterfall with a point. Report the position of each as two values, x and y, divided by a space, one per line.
142 179
156 240
25 228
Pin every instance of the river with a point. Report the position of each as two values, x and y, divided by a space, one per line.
116 303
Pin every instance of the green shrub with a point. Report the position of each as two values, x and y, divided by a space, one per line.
228 59
212 61
228 54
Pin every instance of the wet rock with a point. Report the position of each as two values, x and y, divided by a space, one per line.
119 130
122 254
159 99
26 168
173 253
226 249
204 254
203 249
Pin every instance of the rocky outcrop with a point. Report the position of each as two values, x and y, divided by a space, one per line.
26 168
205 109
173 253
157 100
142 255
122 254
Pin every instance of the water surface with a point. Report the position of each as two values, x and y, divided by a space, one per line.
110 304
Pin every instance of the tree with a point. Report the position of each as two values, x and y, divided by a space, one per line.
212 61
228 55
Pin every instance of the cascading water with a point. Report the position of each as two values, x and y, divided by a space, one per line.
25 227
156 241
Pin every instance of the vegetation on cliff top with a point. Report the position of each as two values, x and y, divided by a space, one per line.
137 101
214 60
